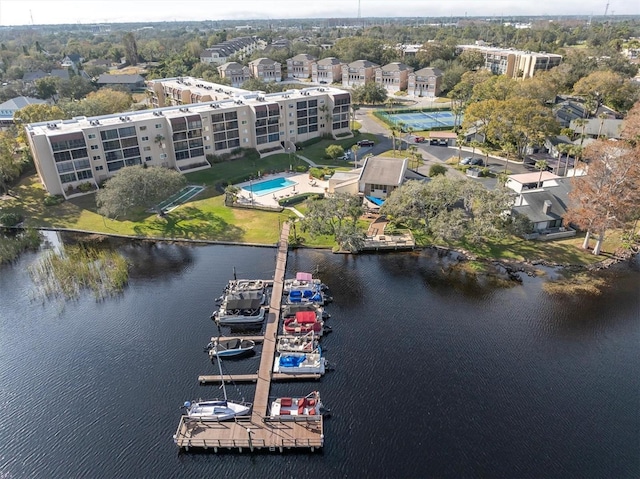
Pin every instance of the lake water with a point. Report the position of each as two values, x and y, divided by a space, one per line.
436 374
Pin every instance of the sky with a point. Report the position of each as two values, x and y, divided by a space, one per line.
26 12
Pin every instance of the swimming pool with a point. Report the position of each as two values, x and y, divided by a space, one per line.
269 186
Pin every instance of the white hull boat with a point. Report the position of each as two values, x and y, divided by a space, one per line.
291 408
300 344
299 363
230 347
216 410
239 316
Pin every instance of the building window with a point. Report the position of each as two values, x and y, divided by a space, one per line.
158 125
94 147
142 128
92 136
147 148
163 156
147 158
99 168
145 138
96 158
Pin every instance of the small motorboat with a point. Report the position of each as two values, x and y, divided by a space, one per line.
216 410
290 310
290 343
291 408
230 347
304 322
300 363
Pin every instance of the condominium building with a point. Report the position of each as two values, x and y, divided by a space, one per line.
81 150
239 47
237 74
266 70
328 70
300 66
425 82
393 76
358 73
187 90
514 63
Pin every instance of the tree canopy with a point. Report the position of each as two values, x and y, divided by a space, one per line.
336 215
137 187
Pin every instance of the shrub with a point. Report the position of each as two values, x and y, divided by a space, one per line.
86 186
10 219
436 170
320 173
52 200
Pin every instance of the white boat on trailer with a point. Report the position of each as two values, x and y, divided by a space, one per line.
292 408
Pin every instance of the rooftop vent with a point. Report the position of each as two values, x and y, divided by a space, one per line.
546 207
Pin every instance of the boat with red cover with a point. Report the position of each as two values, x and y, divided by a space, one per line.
304 322
291 408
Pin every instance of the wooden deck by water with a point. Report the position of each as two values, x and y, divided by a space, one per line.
257 431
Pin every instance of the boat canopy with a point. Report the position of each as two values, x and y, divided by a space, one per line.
304 276
306 317
244 300
375 201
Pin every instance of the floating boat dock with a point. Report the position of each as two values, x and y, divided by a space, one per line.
257 431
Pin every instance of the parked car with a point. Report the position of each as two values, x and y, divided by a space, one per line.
443 142
470 160
362 143
433 141
419 139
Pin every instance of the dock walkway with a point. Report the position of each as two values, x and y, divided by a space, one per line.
258 431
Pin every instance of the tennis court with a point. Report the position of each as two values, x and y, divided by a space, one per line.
179 198
419 120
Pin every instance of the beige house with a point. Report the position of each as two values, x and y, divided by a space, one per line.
235 72
380 176
266 70
358 73
514 63
328 70
394 76
300 66
90 150
425 82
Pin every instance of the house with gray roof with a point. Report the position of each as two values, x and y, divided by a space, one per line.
358 73
393 76
299 66
234 72
328 70
266 70
220 53
379 176
9 107
425 82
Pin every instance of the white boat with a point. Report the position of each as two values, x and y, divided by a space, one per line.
216 409
290 310
300 344
291 408
299 363
230 347
302 281
309 295
241 307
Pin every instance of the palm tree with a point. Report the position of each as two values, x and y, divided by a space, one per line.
355 149
413 149
563 149
541 165
354 108
602 117
581 123
394 133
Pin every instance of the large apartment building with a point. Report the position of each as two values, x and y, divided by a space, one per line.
266 70
300 66
425 82
69 153
358 73
328 70
514 63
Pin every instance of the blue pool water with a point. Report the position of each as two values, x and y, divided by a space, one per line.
269 186
422 120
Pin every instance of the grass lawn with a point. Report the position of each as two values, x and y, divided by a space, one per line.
316 152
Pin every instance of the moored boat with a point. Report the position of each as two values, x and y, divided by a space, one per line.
291 343
243 307
230 347
292 408
300 363
304 322
216 410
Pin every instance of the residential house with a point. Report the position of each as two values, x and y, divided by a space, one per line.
358 73
132 82
9 107
514 63
606 127
328 70
569 110
393 76
90 150
72 60
266 70
31 77
543 198
425 82
380 176
240 47
234 72
300 66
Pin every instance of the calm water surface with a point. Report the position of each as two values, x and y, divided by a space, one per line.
435 375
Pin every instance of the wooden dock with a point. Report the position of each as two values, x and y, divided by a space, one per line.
253 378
257 431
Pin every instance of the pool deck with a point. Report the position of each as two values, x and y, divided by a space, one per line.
303 185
